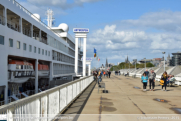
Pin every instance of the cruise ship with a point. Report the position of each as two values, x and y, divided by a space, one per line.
34 56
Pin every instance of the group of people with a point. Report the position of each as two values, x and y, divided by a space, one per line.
150 77
99 74
117 72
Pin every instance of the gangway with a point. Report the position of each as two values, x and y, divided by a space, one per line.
24 94
14 97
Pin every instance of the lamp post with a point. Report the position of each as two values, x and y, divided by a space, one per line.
164 60
145 64
135 60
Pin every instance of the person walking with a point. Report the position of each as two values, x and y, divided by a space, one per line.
95 75
109 74
119 73
144 79
104 73
99 76
151 79
165 79
146 72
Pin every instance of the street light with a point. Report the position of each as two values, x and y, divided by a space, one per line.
135 61
164 60
145 64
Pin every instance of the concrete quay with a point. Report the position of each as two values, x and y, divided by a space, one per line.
127 101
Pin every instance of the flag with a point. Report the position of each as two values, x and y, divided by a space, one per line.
94 55
94 52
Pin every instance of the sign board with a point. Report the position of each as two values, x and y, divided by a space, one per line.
80 30
87 59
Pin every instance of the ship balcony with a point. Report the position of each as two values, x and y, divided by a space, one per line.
36 33
27 26
12 25
13 21
44 40
27 32
2 20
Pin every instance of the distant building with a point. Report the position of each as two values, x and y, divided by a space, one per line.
127 60
145 60
106 65
134 62
169 60
111 64
102 67
156 61
176 59
118 63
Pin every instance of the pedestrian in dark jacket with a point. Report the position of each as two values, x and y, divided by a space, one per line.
146 72
165 79
151 79
109 74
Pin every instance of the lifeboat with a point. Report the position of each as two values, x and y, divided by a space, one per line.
43 70
19 71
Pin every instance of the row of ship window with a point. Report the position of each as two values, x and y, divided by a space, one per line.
62 69
61 57
24 46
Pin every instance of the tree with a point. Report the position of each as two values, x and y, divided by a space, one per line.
149 65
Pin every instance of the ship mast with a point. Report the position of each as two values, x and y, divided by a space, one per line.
50 18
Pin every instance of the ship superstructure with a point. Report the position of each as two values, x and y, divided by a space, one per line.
33 54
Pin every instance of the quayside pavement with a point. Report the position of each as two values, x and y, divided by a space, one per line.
125 98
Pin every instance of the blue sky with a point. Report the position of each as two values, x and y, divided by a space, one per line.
137 28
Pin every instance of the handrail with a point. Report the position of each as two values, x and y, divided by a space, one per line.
33 97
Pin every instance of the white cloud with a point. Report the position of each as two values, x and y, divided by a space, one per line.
80 2
117 40
49 3
63 4
164 20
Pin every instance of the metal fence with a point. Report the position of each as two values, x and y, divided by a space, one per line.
50 102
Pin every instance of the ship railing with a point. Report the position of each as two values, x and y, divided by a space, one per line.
43 40
30 92
2 20
36 36
12 25
18 95
54 100
27 32
4 101
80 73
